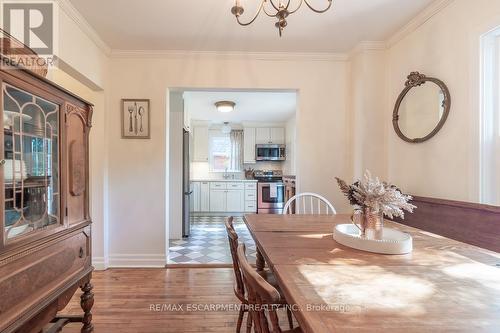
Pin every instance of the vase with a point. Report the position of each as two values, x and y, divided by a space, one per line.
370 223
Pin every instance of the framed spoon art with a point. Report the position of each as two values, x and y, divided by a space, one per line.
135 119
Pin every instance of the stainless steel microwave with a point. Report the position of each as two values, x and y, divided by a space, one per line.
270 152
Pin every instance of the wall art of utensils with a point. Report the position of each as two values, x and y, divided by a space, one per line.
135 119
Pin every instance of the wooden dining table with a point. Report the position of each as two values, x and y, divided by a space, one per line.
442 286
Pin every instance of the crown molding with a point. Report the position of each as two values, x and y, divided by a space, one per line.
367 46
266 56
84 25
424 16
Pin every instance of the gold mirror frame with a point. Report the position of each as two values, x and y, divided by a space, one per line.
415 79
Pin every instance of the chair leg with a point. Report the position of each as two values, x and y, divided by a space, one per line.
249 322
290 318
240 320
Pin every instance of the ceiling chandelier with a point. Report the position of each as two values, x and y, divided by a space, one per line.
279 11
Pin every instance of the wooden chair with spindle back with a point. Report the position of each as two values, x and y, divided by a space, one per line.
309 203
262 297
239 286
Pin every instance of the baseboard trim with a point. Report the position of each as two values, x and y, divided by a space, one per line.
137 260
100 263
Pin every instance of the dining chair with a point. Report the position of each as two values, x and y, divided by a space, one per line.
239 286
261 297
309 203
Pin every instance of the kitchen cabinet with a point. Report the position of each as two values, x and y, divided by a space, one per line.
251 198
249 145
204 196
262 135
277 136
217 200
195 197
223 196
200 144
270 135
235 200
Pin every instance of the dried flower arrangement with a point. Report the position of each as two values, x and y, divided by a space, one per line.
377 196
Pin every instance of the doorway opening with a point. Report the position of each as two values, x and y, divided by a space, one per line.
226 159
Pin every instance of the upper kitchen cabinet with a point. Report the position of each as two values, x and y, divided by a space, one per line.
200 140
268 135
278 136
262 135
249 145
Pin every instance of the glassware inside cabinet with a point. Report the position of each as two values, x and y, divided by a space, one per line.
30 162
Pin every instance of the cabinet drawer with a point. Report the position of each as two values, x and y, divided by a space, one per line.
235 186
218 185
250 186
38 272
250 206
250 195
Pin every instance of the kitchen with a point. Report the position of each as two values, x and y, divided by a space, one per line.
238 150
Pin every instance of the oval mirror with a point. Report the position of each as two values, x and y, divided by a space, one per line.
421 109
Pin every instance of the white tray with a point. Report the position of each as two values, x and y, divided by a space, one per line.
393 242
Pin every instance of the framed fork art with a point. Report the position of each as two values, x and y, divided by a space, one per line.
135 119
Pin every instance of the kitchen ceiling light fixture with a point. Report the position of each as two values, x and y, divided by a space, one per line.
282 11
225 106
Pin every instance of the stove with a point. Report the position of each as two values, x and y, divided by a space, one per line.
270 191
268 175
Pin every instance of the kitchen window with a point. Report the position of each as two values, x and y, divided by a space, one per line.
225 152
220 152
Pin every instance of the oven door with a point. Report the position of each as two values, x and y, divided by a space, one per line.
270 152
271 196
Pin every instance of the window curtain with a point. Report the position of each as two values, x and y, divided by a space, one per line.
236 150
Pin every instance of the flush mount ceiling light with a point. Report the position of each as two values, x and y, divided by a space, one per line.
225 106
279 11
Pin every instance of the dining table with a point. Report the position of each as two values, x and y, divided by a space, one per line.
441 286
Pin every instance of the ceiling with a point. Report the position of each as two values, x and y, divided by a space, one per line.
207 25
250 106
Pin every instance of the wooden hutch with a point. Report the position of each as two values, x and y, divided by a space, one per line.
45 238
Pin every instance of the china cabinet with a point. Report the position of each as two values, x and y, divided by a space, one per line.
45 238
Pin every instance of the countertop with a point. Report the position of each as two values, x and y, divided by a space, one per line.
226 180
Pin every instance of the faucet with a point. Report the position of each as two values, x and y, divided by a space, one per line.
226 175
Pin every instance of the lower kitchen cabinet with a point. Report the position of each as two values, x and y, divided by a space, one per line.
217 200
223 197
235 200
194 204
204 196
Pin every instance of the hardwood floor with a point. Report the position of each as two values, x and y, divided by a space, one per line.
123 300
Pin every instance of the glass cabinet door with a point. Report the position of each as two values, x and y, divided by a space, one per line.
30 163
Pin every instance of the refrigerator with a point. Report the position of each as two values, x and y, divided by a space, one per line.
187 192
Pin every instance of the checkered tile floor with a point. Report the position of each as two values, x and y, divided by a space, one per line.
208 242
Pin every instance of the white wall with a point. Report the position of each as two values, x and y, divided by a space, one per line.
368 112
446 47
137 203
